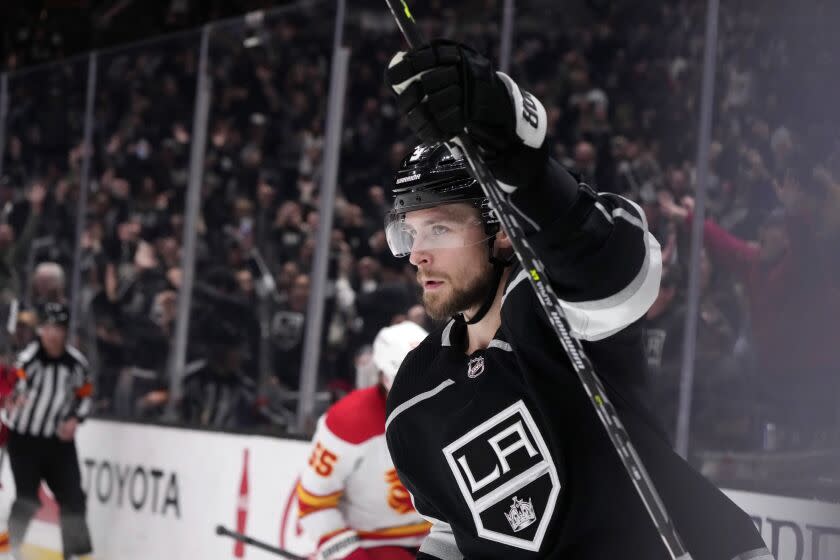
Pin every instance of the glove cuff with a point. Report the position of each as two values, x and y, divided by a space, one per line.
529 114
339 546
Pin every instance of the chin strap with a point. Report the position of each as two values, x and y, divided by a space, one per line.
499 266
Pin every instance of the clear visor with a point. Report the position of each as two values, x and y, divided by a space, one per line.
438 232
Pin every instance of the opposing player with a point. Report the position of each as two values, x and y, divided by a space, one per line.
488 425
349 497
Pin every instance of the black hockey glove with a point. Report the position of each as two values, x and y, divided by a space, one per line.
446 88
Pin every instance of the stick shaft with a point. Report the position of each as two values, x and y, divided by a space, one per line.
220 530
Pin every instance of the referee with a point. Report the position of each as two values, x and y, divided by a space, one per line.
52 395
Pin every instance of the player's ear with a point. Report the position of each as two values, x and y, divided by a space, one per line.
502 247
502 240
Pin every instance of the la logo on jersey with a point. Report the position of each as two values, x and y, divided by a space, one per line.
507 477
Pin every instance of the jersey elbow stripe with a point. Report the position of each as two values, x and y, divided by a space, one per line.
597 319
441 544
310 503
625 209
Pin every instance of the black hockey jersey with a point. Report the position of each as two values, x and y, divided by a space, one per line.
501 449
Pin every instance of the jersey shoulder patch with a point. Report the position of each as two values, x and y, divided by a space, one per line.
359 416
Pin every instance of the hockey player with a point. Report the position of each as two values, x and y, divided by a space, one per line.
488 426
349 497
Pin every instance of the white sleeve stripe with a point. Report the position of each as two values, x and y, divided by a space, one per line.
603 211
640 213
621 297
598 319
441 543
73 351
27 354
416 399
595 320
624 214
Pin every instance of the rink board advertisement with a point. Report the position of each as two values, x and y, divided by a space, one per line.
156 492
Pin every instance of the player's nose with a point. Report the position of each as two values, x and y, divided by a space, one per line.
419 256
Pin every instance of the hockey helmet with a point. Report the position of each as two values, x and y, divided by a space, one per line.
54 313
432 176
391 346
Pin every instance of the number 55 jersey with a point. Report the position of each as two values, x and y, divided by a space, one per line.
349 497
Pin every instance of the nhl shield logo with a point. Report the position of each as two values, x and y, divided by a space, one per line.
475 367
499 461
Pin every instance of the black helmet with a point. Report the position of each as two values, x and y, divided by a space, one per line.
430 176
54 313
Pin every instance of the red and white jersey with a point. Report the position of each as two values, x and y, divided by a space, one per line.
349 496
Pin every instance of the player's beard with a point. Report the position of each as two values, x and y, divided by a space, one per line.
453 299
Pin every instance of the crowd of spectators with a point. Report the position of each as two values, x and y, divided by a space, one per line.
620 80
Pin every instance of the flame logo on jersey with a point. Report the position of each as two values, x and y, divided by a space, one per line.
399 499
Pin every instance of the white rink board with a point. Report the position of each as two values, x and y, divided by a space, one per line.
192 483
198 476
794 529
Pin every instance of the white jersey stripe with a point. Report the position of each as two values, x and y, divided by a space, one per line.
598 319
35 377
27 354
440 543
521 277
78 356
444 337
45 396
500 344
62 382
416 399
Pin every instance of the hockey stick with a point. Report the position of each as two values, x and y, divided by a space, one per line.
220 530
551 304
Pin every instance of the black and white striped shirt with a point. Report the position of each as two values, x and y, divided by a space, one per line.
54 390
